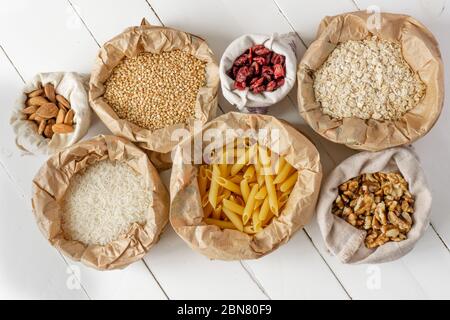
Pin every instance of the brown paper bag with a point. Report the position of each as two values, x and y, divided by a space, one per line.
147 38
347 242
186 210
53 179
420 50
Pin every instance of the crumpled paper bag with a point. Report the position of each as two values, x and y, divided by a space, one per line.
187 213
420 50
53 179
347 242
70 85
147 38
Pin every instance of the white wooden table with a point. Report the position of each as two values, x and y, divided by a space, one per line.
55 35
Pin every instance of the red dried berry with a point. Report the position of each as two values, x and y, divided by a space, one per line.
259 82
278 59
272 85
253 80
242 74
268 70
280 83
250 55
256 68
267 77
240 85
259 89
260 60
279 71
262 51
241 60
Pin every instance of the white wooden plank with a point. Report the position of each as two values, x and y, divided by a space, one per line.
29 267
135 281
432 149
305 16
207 19
107 20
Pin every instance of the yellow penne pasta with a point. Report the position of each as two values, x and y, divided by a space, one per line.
268 219
282 176
216 213
289 183
250 205
208 210
236 179
280 164
240 162
225 195
233 206
221 224
256 222
264 212
249 230
272 194
262 193
249 173
214 189
258 203
283 199
227 184
245 189
202 181
234 218
263 156
205 200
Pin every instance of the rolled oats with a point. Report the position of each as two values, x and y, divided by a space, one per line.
379 203
367 79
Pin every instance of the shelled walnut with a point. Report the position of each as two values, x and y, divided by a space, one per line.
379 203
51 112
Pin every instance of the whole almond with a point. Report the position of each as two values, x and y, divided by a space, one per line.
38 119
30 110
37 101
69 117
61 116
48 131
32 117
62 107
63 101
36 93
48 111
62 128
42 126
49 90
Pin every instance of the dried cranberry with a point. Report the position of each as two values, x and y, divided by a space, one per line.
250 55
278 59
280 83
253 80
272 85
260 60
259 89
266 76
259 82
279 71
262 51
241 60
256 67
240 85
242 74
267 69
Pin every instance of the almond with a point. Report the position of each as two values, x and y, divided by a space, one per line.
47 111
62 107
32 117
38 119
61 116
37 101
30 110
69 117
50 93
63 101
42 126
62 128
48 131
36 93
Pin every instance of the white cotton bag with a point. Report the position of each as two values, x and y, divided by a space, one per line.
70 85
347 242
285 44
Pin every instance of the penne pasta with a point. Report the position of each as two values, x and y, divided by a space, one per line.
245 190
236 179
227 184
234 218
272 194
280 164
256 222
233 206
250 205
282 176
214 189
202 181
249 173
262 193
264 212
216 213
208 210
263 156
289 183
